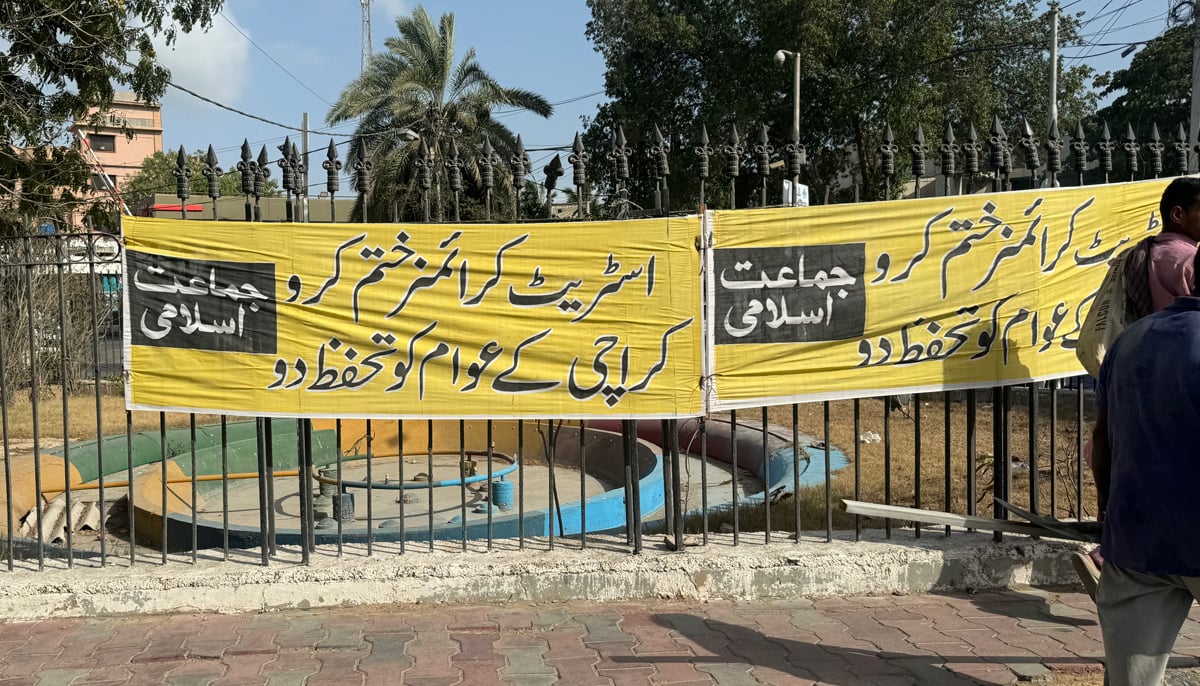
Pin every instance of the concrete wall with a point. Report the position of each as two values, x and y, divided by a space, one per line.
602 573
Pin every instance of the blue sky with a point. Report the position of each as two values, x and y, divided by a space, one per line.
318 41
534 45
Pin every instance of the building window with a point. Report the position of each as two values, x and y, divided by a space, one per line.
101 142
101 183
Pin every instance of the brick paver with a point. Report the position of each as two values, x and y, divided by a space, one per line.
998 638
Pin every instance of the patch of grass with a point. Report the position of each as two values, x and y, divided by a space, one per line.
83 418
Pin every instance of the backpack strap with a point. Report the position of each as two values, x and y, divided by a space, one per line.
1138 299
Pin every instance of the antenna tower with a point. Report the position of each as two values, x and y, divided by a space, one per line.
366 34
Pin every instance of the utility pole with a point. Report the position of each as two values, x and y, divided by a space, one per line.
1053 64
1052 115
366 35
304 150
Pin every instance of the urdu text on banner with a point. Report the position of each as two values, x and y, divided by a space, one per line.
564 320
844 301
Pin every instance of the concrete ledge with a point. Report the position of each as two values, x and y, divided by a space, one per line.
601 573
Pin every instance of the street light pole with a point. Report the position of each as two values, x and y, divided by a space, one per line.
781 56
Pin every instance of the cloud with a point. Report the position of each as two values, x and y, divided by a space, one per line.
384 13
215 63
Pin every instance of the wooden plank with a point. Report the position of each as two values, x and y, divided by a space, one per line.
858 507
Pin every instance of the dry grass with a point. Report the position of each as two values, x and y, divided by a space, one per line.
1056 483
1175 677
81 413
1074 680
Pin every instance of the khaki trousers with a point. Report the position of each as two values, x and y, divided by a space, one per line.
1140 616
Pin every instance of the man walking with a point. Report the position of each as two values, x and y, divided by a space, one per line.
1146 463
1157 270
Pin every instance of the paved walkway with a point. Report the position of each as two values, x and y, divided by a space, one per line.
996 638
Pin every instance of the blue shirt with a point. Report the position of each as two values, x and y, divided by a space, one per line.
1150 384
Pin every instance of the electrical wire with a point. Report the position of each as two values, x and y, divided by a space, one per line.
1105 12
509 111
243 113
1119 48
1149 20
273 60
1108 28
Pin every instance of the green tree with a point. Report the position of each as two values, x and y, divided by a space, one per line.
416 85
157 175
1155 88
683 63
62 59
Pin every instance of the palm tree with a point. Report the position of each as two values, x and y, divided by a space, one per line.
416 85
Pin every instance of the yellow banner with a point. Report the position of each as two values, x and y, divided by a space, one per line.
845 301
573 320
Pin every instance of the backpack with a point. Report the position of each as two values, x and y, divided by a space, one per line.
1137 279
1122 299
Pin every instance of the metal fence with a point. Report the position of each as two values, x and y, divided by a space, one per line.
89 483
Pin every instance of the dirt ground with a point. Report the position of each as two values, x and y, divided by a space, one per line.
1056 480
1175 677
891 475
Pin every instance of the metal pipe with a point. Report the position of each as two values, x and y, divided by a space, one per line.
520 484
673 425
490 476
766 481
627 458
162 458
668 478
1034 439
306 481
200 478
947 494
704 478
224 487
94 311
462 481
8 455
263 502
550 439
582 477
857 471
192 446
60 258
972 449
337 425
796 133
400 476
796 467
429 461
34 392
269 438
887 460
733 467
828 481
370 490
917 438
1054 448
303 504
132 500
637 492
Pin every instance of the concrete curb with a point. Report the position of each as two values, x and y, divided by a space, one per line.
719 571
